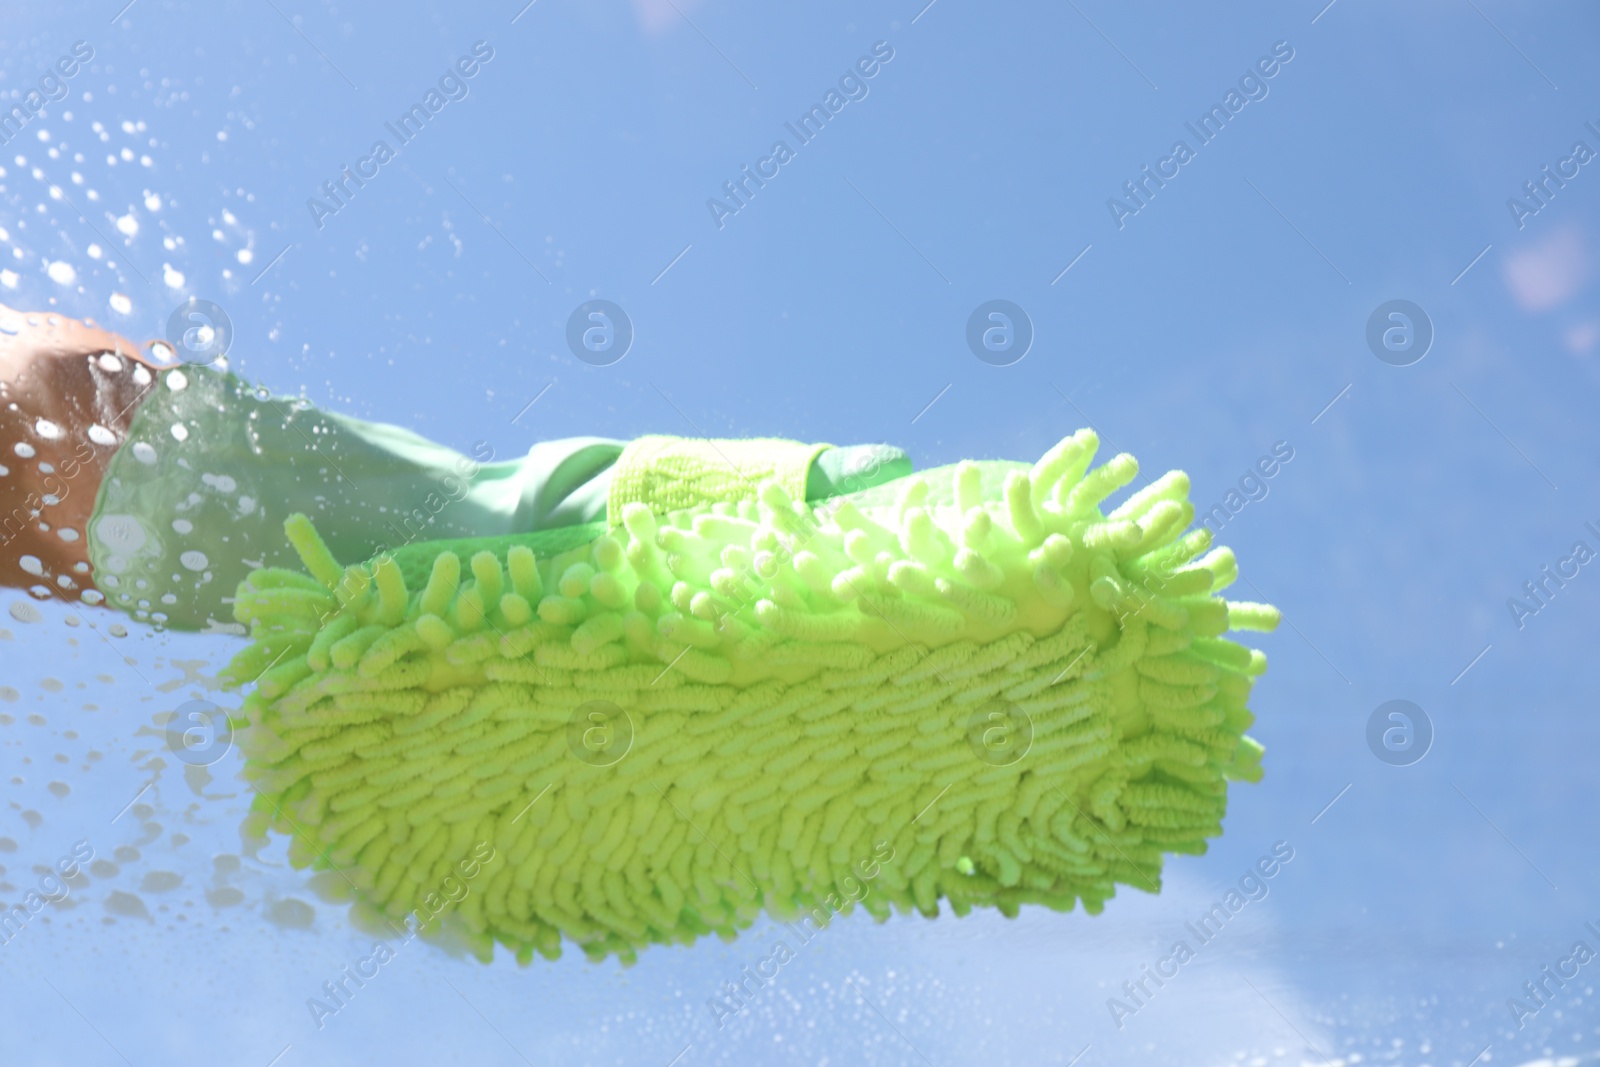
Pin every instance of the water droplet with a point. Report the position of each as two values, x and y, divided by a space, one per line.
121 303
23 611
173 278
291 913
23 449
226 897
61 273
104 869
177 381
160 882
59 789
47 429
67 534
93 596
127 225
194 559
144 453
31 564
180 432
126 905
100 435
120 533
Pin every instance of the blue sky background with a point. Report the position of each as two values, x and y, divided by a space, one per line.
1228 315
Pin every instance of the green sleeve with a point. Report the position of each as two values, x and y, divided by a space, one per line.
197 495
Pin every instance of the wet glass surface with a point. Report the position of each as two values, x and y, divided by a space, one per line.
1369 272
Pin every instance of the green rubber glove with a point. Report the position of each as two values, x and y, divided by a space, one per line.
853 468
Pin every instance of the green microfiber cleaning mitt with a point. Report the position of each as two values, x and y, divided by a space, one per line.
665 726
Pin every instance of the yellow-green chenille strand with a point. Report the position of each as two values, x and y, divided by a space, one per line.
982 682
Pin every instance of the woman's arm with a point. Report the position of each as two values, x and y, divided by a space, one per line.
68 392
155 488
